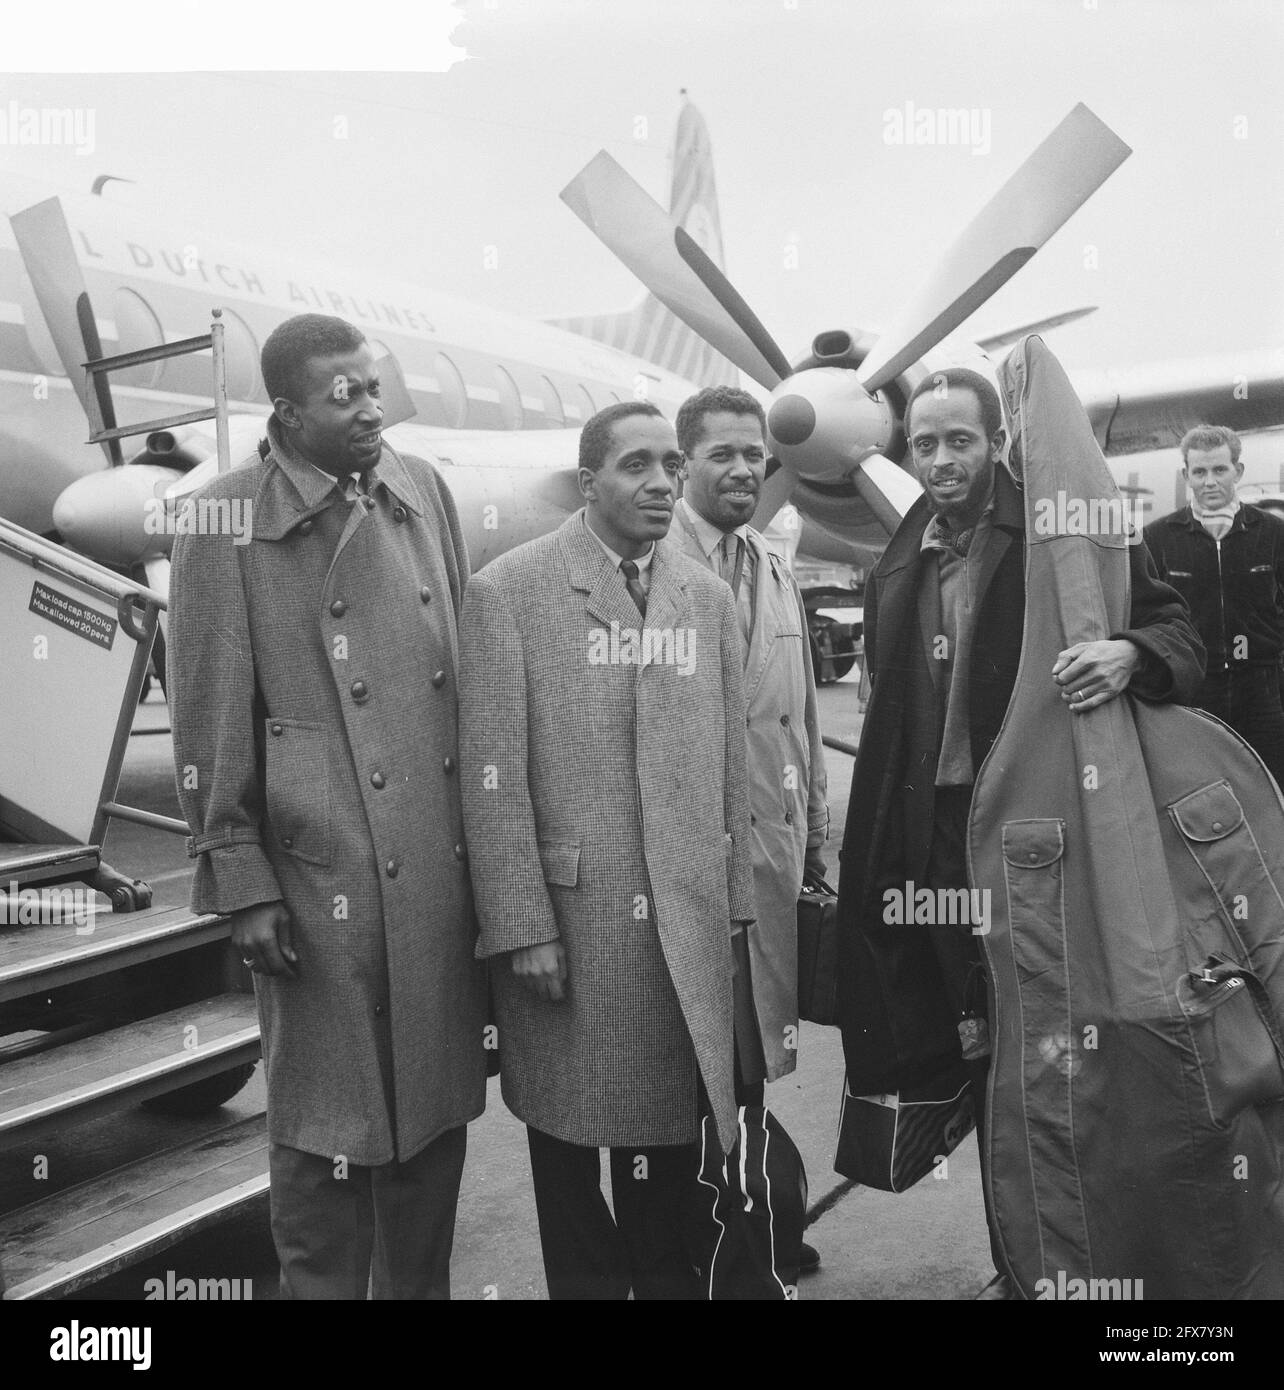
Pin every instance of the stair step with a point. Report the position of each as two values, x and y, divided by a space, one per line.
126 1065
58 1245
27 865
37 958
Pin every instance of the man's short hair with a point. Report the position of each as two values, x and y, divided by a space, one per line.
596 436
711 401
962 379
1204 438
292 344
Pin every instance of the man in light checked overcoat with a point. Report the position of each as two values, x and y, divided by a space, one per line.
605 799
313 698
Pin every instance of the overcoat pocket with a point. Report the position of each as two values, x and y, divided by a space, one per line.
298 789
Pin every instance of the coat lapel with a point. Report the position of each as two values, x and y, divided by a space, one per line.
590 572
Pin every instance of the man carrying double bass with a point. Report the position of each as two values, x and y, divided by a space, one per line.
944 613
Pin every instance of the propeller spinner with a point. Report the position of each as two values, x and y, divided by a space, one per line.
833 417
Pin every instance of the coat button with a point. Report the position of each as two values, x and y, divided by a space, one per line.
376 780
439 679
392 866
287 842
399 513
461 853
305 529
425 593
369 503
784 721
448 766
1032 856
753 820
359 691
378 1010
1217 825
278 729
338 608
789 817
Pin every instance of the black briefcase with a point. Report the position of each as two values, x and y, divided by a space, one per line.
818 952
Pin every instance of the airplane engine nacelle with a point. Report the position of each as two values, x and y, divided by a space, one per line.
117 516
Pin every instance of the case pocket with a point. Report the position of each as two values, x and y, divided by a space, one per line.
298 789
1238 1051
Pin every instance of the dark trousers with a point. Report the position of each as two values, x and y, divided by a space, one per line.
1248 699
959 956
342 1232
590 1254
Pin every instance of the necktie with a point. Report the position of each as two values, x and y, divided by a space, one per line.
630 572
730 561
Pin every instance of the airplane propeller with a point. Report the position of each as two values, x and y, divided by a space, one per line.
834 416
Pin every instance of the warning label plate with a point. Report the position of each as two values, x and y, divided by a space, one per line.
70 613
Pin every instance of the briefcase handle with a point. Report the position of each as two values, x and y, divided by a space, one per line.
815 883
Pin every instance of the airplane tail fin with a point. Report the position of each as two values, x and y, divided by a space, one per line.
649 330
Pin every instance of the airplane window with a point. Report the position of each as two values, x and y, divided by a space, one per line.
554 416
587 406
510 401
137 327
454 395
241 359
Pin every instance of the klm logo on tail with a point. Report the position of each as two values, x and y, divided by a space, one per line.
649 330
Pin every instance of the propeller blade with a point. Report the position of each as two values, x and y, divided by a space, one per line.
1058 178
44 242
776 490
886 489
622 215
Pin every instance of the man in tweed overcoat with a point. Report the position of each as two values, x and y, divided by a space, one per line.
605 800
313 698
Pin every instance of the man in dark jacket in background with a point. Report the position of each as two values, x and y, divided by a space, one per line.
1226 558
944 616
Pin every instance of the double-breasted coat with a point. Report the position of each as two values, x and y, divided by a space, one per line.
606 807
786 769
312 690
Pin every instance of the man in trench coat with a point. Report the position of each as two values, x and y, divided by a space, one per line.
721 431
313 699
603 765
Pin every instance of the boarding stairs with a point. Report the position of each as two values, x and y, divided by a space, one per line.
102 1010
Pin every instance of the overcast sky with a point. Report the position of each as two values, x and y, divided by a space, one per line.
435 167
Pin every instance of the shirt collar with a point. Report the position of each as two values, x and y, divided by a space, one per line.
643 562
938 537
707 535
314 484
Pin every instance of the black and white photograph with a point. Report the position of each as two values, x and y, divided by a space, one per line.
642 658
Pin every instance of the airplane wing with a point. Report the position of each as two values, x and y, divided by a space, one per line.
1153 405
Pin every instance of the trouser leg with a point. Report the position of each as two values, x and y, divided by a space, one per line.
584 1254
322 1224
1263 719
652 1190
415 1202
